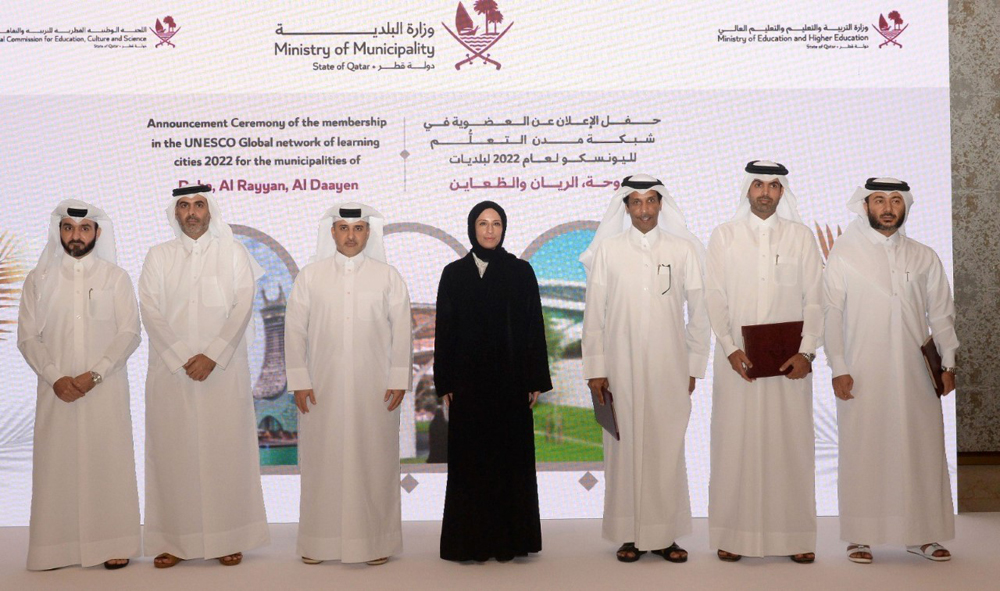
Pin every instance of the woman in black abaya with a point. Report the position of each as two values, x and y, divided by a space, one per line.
490 364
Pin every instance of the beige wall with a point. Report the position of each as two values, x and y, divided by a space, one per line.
975 143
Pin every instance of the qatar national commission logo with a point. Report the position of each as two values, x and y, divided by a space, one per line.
166 30
890 32
477 39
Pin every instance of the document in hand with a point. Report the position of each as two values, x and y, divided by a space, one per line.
605 413
769 346
933 360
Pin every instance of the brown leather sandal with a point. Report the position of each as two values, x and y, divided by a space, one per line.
166 560
231 559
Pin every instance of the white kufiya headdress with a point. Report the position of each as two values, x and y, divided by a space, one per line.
616 218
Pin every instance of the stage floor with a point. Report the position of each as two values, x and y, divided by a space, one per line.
574 557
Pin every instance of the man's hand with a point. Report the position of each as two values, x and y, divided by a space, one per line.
691 382
532 399
198 367
842 386
300 399
741 363
597 387
948 379
395 395
67 390
447 399
84 382
800 367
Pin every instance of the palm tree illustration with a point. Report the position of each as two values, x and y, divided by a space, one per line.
169 20
12 274
896 19
495 17
485 8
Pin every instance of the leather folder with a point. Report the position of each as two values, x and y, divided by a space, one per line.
769 346
605 414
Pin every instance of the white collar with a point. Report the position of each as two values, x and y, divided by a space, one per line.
757 223
349 262
68 262
650 238
877 237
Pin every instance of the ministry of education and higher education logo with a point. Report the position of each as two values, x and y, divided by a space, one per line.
466 29
166 33
889 33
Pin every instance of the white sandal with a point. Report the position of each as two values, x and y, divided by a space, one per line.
311 560
927 551
859 549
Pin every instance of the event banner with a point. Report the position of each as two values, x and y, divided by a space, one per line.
422 110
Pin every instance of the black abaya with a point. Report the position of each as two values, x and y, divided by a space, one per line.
490 354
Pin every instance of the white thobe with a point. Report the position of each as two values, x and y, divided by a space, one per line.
634 334
761 495
348 338
84 502
203 491
881 296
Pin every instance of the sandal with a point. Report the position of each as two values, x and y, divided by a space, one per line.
311 560
729 556
378 561
166 560
929 551
804 558
108 565
629 553
855 551
231 559
682 554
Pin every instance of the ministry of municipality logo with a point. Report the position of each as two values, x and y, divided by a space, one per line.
890 32
166 33
478 44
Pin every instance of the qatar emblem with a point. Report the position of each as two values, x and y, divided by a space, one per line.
889 33
166 33
478 44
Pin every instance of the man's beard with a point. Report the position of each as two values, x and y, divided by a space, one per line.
76 248
877 225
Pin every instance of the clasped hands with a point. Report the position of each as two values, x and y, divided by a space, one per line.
303 397
70 389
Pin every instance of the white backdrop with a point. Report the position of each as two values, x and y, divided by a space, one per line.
656 89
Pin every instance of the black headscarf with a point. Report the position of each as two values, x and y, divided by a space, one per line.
484 253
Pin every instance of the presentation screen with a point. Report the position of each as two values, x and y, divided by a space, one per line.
422 110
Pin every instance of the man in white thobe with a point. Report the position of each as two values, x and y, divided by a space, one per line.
77 325
203 491
884 294
349 360
763 268
643 267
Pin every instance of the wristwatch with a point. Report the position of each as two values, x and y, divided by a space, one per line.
96 377
809 356
953 370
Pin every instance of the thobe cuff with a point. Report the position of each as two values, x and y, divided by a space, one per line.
838 366
50 374
399 378
102 366
808 344
697 365
948 358
728 344
593 367
220 352
175 357
298 379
